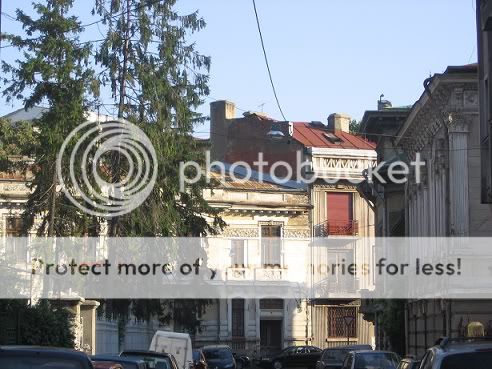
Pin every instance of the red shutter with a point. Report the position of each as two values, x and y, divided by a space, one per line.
339 213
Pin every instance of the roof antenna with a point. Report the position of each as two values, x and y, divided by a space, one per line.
262 106
381 97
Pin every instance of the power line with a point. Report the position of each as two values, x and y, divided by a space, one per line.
266 60
137 7
287 142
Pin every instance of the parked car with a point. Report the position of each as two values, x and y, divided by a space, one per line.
154 360
106 365
31 357
176 344
409 363
126 363
371 360
293 356
459 353
219 357
332 358
199 361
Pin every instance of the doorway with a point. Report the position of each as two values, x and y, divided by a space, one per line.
270 336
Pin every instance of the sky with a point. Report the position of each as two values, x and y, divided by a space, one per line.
326 56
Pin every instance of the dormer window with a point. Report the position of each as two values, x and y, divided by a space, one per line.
331 137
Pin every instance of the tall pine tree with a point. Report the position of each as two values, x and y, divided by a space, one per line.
158 80
54 70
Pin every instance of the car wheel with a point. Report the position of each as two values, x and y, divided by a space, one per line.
277 365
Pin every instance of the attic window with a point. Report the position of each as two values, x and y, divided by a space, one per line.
332 138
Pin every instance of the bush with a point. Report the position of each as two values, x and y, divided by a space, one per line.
44 324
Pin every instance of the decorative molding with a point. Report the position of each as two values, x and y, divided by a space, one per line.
338 186
297 233
458 122
240 232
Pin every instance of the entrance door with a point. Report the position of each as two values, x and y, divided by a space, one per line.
339 213
270 336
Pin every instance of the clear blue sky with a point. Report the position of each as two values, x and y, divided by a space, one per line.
326 55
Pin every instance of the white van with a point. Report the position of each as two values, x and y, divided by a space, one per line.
177 344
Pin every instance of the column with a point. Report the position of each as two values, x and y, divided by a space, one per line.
458 172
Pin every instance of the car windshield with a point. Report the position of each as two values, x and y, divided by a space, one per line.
373 360
334 355
217 354
36 362
153 362
475 360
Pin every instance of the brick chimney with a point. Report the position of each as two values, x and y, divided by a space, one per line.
221 112
339 122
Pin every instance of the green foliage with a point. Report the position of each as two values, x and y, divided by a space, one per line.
392 320
185 314
158 80
19 143
54 70
354 126
47 323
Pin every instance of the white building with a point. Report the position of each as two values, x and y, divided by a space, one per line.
443 126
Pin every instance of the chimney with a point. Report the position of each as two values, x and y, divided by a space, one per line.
221 112
384 104
339 122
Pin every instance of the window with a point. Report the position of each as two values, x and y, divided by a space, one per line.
427 360
332 138
272 304
475 360
14 227
339 214
349 359
32 361
237 317
17 249
237 254
376 360
271 245
342 321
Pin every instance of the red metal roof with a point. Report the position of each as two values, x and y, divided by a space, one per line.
311 136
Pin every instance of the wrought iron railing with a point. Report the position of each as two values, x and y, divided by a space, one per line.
337 228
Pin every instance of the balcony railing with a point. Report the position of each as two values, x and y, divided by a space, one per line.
337 228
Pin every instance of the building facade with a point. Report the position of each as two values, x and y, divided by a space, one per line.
444 127
14 192
388 199
332 160
256 214
484 30
388 202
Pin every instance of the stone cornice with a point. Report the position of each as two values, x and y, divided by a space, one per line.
457 100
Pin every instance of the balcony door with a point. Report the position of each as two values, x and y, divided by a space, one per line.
339 213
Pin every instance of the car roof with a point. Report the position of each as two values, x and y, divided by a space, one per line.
145 353
465 346
116 358
350 347
105 364
373 352
214 347
43 350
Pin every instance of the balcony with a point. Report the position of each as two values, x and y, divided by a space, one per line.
337 228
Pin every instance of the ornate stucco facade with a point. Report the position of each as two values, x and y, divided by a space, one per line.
443 126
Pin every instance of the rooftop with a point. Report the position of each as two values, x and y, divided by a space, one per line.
317 136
